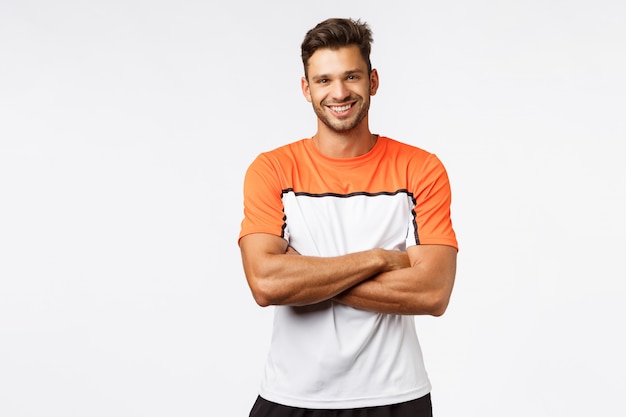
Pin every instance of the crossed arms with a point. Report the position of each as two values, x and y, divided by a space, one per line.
418 281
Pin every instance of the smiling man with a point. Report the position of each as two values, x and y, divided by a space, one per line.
343 104
348 234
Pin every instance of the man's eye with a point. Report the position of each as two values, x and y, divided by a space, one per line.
323 81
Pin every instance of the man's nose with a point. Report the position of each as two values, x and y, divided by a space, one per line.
340 91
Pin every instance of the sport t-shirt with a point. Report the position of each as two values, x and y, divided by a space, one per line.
329 355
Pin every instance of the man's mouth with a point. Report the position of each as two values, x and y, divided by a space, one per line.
340 109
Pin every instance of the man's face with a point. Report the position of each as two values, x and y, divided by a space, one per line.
339 87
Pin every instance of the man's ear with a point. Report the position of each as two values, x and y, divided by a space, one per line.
374 82
306 91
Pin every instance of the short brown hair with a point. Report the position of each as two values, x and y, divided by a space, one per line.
335 33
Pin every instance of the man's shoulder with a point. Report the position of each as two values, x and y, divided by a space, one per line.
398 147
282 156
287 150
290 146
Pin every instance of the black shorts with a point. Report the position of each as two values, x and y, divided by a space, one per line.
421 407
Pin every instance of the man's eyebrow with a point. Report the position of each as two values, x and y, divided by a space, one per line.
354 71
346 73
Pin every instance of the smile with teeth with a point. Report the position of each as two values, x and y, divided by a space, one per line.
341 109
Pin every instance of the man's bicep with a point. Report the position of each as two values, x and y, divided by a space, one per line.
438 260
256 246
436 265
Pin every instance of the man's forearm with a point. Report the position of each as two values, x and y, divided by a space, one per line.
422 289
304 280
276 277
386 293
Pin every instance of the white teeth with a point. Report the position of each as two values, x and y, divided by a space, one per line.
340 109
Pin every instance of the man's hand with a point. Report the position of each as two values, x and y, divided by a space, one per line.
395 259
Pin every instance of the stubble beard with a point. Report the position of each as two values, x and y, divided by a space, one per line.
338 125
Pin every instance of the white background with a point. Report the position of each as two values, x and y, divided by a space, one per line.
125 131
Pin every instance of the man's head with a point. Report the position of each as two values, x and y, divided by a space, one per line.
339 79
336 33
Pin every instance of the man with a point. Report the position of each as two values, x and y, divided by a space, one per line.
349 235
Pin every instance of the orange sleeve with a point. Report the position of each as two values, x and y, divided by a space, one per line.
263 207
432 204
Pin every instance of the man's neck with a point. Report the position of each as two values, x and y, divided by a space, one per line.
348 144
